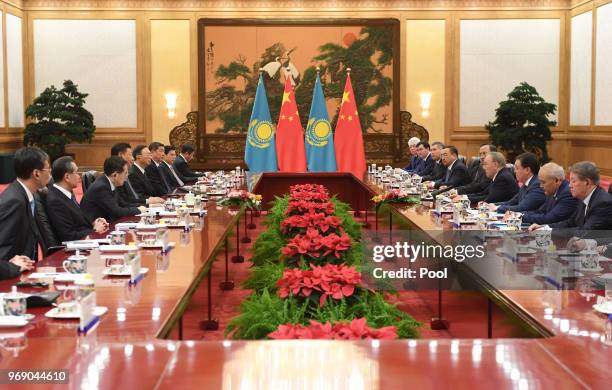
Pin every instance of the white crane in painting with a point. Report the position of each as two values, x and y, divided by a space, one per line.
285 63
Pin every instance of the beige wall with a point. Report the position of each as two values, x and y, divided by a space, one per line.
425 69
170 74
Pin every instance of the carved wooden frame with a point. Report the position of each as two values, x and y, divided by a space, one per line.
222 149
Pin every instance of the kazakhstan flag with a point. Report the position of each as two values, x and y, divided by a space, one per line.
260 150
319 140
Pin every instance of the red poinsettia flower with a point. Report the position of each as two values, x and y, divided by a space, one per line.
335 281
355 330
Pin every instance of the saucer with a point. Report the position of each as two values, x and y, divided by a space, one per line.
53 313
125 272
13 321
603 308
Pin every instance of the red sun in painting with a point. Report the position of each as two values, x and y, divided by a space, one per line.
349 38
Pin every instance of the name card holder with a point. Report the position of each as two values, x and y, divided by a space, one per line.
135 275
88 319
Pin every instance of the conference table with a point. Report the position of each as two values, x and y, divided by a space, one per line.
138 341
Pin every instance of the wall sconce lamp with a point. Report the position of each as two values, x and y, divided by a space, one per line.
171 104
425 103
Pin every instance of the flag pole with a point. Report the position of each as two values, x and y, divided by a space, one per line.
356 213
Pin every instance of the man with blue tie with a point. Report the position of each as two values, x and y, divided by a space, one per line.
530 196
427 163
19 230
65 215
594 210
559 204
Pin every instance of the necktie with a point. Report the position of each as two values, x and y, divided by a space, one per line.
163 177
448 173
74 199
130 188
178 180
34 252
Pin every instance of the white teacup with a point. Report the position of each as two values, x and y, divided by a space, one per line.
75 264
116 237
67 307
13 304
117 268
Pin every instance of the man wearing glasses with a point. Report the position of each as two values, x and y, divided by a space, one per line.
19 231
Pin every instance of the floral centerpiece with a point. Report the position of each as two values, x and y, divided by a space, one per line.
318 247
235 199
357 329
335 281
395 196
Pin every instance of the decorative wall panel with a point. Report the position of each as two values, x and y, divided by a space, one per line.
497 54
603 73
580 75
97 55
14 65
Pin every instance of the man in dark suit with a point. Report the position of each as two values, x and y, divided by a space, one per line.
128 197
415 160
531 195
101 199
154 172
559 204
427 163
439 170
166 165
181 164
503 185
19 230
137 174
480 181
594 211
456 173
65 214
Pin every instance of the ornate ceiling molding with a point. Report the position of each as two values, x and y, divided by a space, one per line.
298 5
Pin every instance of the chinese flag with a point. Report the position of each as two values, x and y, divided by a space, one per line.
348 139
290 135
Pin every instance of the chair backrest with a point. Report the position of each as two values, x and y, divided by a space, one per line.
46 229
461 158
87 179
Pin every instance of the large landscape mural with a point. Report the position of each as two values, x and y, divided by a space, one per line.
234 54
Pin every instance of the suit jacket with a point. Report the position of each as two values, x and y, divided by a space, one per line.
426 167
181 167
598 215
157 178
128 197
66 217
142 184
528 198
8 270
414 164
480 181
19 231
101 201
439 170
502 188
172 181
457 177
556 208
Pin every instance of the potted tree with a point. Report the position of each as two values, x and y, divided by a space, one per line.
58 118
521 123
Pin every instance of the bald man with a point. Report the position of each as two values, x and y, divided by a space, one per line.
559 204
